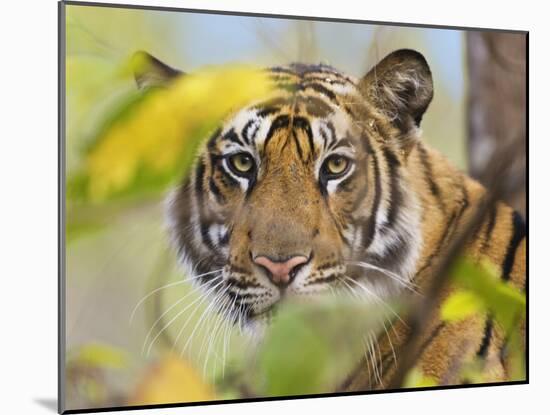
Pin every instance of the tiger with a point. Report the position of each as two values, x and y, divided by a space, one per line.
327 185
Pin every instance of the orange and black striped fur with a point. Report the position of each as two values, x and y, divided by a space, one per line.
328 186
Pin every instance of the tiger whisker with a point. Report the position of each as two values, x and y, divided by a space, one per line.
389 340
161 317
227 322
200 322
377 346
396 277
217 332
173 284
180 313
190 316
376 297
383 325
219 307
370 349
228 319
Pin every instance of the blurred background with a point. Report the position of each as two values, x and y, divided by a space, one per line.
117 251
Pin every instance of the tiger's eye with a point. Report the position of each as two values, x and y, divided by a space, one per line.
242 162
336 165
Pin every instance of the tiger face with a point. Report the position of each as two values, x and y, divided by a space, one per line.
306 194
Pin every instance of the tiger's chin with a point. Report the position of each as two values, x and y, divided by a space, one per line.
256 327
257 324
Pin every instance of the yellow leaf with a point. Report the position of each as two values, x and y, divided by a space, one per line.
172 380
158 137
460 305
416 379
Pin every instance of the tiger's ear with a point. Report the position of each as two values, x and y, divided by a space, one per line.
400 86
151 72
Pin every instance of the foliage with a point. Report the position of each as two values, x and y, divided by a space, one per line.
86 369
171 380
484 291
460 305
153 137
416 379
99 355
311 348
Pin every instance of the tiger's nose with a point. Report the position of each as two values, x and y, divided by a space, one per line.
281 272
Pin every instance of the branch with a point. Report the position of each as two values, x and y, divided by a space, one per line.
422 309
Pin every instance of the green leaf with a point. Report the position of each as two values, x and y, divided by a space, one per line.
460 305
416 379
504 301
311 348
294 359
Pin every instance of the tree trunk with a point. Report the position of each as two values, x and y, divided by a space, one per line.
497 107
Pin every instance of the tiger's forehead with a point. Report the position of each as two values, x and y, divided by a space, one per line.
310 101
322 81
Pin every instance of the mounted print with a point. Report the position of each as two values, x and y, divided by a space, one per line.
264 207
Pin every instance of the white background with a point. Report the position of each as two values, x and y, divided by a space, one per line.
28 200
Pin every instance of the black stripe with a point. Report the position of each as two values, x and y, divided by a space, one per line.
199 193
323 280
332 81
212 140
393 257
297 142
317 107
396 197
199 177
228 180
205 235
282 121
491 224
303 124
238 283
231 135
321 90
369 228
220 198
183 206
345 142
486 341
282 69
428 174
333 138
309 70
492 216
517 236
244 132
264 112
